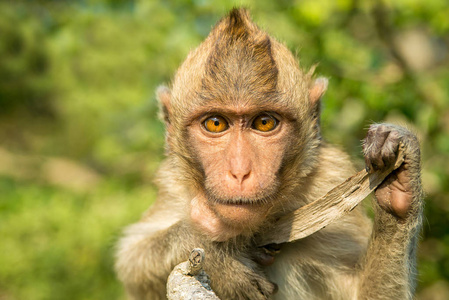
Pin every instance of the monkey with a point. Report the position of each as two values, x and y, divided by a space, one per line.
243 148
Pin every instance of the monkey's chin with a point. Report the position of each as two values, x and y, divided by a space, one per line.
242 215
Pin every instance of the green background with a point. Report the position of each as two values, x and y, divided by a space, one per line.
80 140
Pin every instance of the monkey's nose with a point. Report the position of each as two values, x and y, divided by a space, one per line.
240 176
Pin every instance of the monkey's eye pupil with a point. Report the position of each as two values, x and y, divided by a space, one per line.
264 123
216 124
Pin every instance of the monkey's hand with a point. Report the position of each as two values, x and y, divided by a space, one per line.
234 274
400 193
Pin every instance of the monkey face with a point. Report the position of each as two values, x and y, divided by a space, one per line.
240 150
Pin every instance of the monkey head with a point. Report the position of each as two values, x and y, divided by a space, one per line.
242 118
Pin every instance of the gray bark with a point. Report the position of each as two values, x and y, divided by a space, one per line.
188 281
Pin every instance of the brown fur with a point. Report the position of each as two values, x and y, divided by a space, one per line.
240 68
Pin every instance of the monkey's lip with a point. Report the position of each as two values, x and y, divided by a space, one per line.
241 213
240 203
254 206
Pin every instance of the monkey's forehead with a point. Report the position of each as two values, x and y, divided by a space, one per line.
240 70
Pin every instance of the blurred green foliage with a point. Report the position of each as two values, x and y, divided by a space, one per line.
77 81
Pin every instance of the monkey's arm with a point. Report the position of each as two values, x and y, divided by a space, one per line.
388 269
146 257
147 254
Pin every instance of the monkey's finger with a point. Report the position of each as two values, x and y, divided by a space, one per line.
263 258
373 146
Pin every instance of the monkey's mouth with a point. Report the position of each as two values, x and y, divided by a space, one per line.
239 202
255 200
241 212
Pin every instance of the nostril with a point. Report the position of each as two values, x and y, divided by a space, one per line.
240 177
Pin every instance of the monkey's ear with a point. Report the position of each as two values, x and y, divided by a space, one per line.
163 95
317 90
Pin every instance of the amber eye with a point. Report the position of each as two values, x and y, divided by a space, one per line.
265 123
216 124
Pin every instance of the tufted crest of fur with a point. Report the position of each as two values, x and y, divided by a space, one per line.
240 65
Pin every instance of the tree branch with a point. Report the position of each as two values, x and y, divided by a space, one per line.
188 281
332 206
